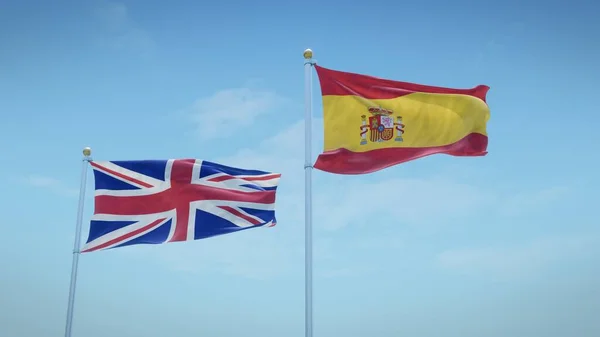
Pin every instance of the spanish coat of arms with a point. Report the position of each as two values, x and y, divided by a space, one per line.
381 126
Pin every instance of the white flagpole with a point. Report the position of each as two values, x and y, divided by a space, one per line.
87 152
308 263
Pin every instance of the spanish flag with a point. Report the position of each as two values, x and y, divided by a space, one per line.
372 123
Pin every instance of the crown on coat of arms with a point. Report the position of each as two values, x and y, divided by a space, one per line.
379 111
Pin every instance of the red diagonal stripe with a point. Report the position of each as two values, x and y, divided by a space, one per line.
269 177
122 176
240 214
228 177
124 237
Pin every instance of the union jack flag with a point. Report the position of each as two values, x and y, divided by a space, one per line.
160 201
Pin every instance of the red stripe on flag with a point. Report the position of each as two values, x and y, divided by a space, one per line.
122 176
124 237
228 177
241 215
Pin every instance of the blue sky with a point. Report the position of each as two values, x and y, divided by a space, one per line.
504 245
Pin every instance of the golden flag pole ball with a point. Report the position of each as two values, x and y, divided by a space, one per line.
87 151
308 54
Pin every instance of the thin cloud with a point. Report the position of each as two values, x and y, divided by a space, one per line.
262 253
530 200
226 111
120 31
51 184
424 201
113 15
518 261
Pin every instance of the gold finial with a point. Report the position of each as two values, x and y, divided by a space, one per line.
87 151
308 54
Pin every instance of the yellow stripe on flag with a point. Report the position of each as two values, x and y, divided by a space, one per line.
429 120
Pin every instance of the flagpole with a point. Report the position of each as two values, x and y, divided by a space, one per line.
308 262
87 152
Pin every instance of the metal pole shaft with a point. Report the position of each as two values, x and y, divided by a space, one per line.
76 248
308 267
